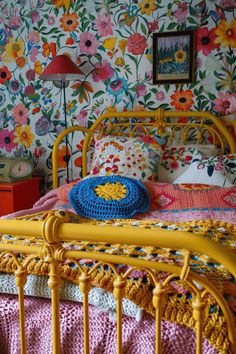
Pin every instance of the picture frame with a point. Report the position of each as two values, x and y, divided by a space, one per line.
173 57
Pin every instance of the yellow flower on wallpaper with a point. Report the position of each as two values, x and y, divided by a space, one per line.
109 43
122 45
119 61
61 3
13 49
38 67
111 109
147 6
226 34
23 135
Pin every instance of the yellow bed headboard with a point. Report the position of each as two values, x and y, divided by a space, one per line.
165 123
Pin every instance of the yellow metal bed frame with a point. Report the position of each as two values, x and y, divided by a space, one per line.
53 231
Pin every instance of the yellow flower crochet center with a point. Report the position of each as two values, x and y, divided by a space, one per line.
111 191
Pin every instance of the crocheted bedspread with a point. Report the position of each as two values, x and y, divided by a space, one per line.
177 306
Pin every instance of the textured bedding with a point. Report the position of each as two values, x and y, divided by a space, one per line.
187 204
138 337
170 202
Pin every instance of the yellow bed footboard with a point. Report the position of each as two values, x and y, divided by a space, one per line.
50 235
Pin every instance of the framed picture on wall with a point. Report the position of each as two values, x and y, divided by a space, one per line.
173 57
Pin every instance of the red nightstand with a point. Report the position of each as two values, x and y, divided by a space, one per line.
18 195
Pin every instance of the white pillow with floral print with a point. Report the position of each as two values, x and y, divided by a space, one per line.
175 161
131 157
215 170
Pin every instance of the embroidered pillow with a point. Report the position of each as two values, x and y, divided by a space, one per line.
215 170
109 197
131 157
175 161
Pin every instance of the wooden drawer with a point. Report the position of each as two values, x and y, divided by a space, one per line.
18 195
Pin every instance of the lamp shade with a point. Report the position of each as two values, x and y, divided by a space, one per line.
61 68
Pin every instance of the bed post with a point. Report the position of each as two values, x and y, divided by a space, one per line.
53 253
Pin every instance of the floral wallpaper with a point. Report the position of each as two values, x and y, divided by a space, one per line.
111 42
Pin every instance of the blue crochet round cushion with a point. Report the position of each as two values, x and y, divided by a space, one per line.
109 197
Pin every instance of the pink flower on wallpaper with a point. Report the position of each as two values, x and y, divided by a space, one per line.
141 90
160 96
34 16
103 25
102 71
34 37
229 5
136 44
14 22
181 13
19 113
30 74
225 104
7 140
33 54
153 26
82 117
29 90
51 20
88 43
205 40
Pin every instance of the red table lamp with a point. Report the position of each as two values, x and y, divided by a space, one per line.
62 69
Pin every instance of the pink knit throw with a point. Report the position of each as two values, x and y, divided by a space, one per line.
138 337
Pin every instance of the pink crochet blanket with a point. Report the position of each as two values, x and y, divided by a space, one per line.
138 337
170 202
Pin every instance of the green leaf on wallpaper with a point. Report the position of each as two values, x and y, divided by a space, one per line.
166 87
171 26
82 13
162 28
40 22
58 39
10 107
98 94
192 21
147 97
211 96
92 17
204 104
53 30
202 74
38 143
86 25
192 11
56 11
153 90
21 79
98 56
44 39
132 58
231 60
163 105
150 103
144 29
